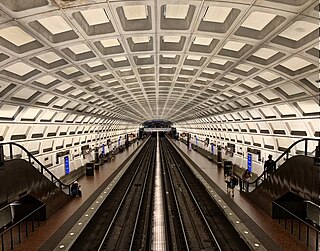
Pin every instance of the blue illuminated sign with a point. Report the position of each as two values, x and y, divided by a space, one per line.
212 148
66 164
250 162
102 148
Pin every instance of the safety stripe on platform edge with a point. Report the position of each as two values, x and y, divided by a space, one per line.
76 230
241 228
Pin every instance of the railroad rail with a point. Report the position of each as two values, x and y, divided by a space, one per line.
116 226
201 225
126 220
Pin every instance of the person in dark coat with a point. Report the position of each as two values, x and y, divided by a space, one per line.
75 189
269 166
231 181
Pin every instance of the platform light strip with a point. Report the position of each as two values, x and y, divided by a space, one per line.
158 227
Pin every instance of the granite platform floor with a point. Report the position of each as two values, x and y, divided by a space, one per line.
51 231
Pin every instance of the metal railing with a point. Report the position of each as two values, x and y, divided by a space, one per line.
34 162
21 229
305 232
251 185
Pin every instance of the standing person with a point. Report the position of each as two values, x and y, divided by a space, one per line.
227 179
246 175
109 156
269 166
246 179
231 181
75 189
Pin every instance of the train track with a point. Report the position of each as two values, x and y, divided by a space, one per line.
123 229
192 220
121 223
198 222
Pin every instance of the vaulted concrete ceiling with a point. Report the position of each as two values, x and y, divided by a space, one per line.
173 60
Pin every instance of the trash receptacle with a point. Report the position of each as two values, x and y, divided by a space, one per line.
89 169
227 166
219 155
16 211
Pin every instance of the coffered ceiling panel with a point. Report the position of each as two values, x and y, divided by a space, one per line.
172 60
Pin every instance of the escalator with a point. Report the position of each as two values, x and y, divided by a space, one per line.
25 184
18 179
291 193
298 175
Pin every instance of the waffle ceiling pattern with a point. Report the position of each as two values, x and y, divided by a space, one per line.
173 60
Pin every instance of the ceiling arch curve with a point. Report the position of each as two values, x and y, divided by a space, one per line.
143 60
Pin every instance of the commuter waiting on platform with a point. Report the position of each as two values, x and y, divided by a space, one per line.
112 155
246 176
108 157
269 166
231 181
75 189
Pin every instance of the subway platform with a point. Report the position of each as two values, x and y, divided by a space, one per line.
268 234
47 236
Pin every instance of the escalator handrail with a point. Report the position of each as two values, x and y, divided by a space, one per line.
286 152
54 179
